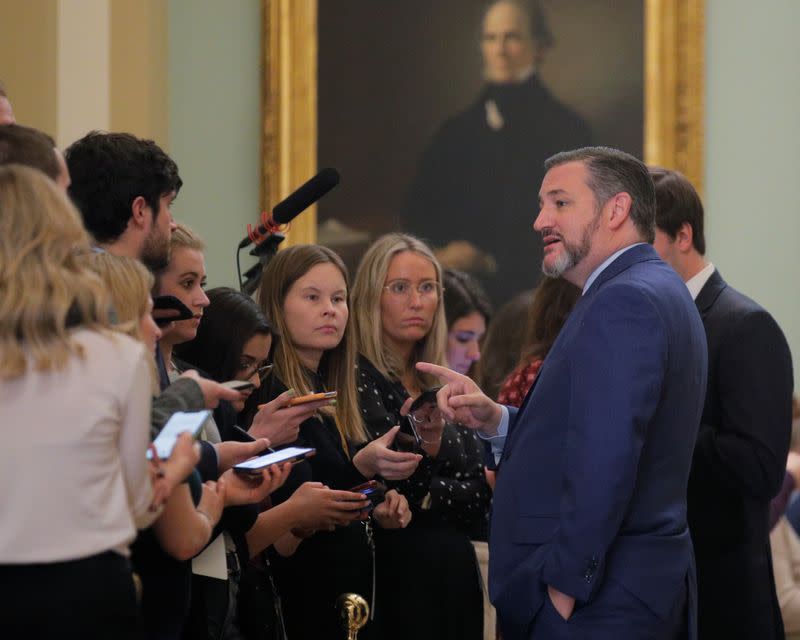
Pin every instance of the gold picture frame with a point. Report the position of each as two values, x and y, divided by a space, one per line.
673 100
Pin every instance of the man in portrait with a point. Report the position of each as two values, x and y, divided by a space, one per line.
478 178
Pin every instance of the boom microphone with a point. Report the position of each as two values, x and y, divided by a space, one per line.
294 204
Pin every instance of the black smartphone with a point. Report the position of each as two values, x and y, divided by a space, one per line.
408 439
238 385
164 303
373 490
425 398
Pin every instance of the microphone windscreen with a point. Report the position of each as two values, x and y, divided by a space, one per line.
286 210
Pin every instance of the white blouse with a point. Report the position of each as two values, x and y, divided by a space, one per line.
72 454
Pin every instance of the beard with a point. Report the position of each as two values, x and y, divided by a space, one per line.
155 252
572 254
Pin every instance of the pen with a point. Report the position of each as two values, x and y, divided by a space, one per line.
249 437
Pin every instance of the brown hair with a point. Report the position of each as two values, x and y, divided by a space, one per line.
542 314
677 202
337 364
553 301
29 147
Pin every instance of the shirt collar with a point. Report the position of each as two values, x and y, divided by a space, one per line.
696 283
594 275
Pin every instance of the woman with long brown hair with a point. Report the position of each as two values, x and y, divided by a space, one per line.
304 292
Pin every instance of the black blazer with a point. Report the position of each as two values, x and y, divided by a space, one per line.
739 464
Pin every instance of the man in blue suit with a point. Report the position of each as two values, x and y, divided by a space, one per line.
589 537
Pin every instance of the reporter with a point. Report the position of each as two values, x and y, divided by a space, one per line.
183 529
468 311
80 480
399 319
304 292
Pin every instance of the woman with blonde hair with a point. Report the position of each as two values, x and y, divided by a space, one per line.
304 292
400 320
78 399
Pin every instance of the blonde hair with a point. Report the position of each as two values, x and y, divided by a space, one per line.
44 288
367 291
185 238
128 283
337 364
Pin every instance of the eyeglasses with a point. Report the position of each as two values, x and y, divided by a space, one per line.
426 289
247 371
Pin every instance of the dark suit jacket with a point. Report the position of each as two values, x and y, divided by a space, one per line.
591 487
739 464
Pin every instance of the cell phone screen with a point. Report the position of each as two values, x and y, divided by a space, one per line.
178 423
290 454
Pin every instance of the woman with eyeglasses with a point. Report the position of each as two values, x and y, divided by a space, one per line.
400 320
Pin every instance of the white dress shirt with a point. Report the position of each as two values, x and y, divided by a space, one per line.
696 283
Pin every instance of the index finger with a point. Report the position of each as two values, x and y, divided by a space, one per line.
443 373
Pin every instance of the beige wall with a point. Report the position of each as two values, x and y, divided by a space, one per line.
70 66
139 86
28 60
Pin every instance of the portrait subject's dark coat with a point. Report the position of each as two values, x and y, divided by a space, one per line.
481 184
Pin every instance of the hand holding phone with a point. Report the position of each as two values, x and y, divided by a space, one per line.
312 397
373 490
290 454
179 422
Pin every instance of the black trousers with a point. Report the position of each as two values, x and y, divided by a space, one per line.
89 598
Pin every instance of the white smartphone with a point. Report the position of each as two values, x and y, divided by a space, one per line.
178 423
289 454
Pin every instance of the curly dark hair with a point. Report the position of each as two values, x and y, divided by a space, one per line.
109 171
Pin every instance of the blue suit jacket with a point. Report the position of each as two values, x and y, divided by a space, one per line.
592 483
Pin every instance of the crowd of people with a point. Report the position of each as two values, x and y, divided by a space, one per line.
100 541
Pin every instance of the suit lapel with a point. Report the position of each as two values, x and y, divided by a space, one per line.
710 292
638 253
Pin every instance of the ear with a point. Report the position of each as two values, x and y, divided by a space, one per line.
619 210
141 215
684 238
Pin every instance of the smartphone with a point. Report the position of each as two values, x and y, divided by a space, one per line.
312 397
171 302
178 423
373 490
290 454
408 439
238 385
426 397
